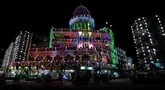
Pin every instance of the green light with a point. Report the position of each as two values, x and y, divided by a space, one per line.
81 25
76 25
57 37
51 37
112 48
85 26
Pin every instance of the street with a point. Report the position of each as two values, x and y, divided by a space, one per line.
116 84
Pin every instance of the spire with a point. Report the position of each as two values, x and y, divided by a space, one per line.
81 4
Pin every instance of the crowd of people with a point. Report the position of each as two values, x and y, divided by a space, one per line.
86 76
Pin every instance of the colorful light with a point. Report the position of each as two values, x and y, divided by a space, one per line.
112 47
70 41
51 37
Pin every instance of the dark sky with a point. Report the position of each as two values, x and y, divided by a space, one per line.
39 16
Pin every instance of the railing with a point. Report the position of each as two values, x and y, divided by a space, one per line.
77 30
76 40
65 40
60 48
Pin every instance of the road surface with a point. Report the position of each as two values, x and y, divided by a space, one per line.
119 84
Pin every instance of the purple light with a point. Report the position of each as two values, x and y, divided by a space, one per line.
81 10
105 37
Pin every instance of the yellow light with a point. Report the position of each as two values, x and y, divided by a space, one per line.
80 45
88 26
107 44
133 65
90 45
80 33
89 33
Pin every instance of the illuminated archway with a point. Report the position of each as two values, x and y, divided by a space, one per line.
58 57
31 57
39 58
68 57
48 57
98 38
77 58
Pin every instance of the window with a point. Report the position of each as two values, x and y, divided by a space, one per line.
66 37
98 38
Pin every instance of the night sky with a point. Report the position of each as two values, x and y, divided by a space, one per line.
39 16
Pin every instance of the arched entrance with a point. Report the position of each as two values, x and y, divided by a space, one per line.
85 57
77 58
48 57
68 57
39 58
57 59
31 57
68 60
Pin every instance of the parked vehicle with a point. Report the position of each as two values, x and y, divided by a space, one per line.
115 75
2 79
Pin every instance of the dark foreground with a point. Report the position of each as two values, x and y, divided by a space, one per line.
93 87
123 84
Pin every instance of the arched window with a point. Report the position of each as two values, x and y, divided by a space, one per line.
57 36
68 57
58 57
66 37
48 57
85 57
38 58
77 58
98 38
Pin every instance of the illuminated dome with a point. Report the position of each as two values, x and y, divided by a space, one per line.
81 10
81 19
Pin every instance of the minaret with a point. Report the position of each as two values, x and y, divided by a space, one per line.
51 37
